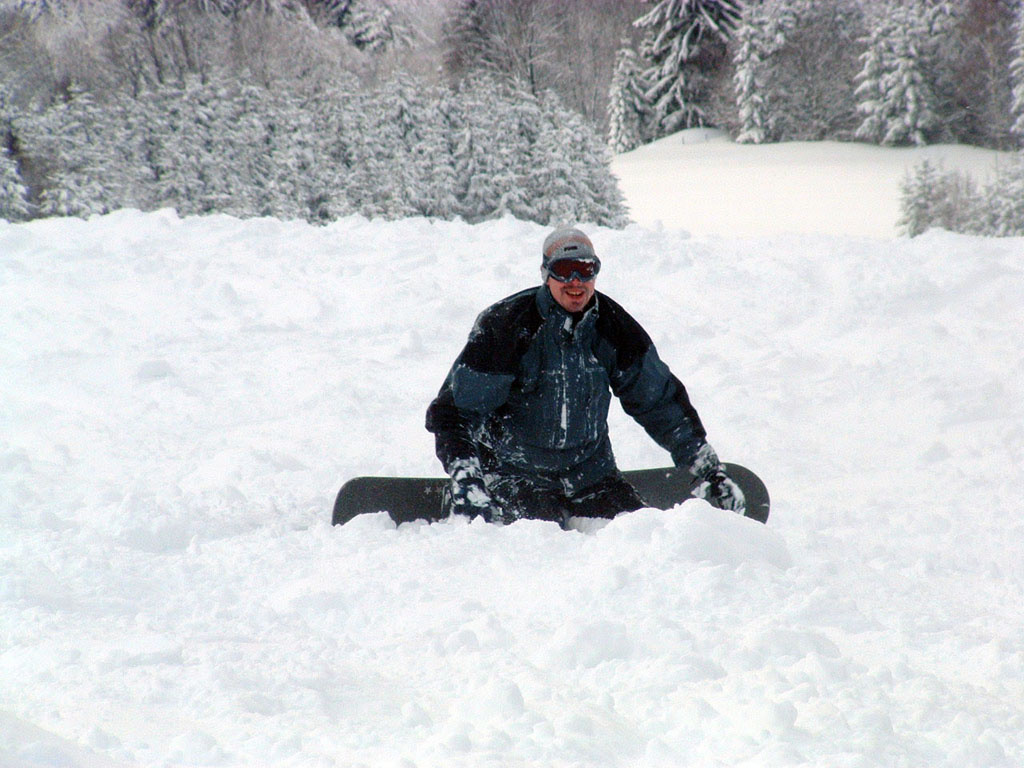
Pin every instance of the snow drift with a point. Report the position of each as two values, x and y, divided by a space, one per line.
181 399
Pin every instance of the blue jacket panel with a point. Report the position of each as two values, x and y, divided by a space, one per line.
530 392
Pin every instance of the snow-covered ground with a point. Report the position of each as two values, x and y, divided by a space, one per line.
180 400
701 181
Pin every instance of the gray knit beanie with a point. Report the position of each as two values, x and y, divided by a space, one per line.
566 243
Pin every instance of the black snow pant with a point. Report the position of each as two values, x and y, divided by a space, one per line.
519 498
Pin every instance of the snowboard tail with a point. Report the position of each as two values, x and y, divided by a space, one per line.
406 499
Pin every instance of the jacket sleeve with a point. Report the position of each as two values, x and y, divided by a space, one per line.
647 389
453 430
478 384
659 403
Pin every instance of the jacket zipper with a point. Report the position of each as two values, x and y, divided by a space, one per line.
563 342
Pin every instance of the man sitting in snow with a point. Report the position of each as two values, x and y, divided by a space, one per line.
521 422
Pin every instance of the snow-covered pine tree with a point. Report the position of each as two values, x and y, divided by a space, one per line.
931 197
128 175
917 193
296 153
682 39
895 84
782 90
14 205
760 35
386 132
560 194
448 122
952 201
521 130
482 143
1002 202
376 28
406 150
369 26
215 146
422 147
204 143
150 124
627 108
487 185
335 179
601 200
1017 72
870 86
73 142
749 83
14 200
569 176
310 172
259 133
177 147
231 159
250 142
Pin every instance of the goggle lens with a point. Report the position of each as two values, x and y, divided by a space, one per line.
585 269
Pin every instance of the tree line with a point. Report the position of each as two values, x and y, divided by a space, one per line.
403 149
142 102
892 72
280 109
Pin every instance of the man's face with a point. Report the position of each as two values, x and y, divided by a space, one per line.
572 296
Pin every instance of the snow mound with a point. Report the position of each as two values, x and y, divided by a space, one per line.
182 398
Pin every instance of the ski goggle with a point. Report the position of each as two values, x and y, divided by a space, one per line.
585 270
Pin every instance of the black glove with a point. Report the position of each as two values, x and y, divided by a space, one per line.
469 493
716 487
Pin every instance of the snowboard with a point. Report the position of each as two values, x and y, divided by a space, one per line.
407 499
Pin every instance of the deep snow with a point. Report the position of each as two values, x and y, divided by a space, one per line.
180 400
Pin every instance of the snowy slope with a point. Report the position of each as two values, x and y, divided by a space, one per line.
180 399
701 181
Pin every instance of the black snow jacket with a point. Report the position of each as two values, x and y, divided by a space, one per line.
529 394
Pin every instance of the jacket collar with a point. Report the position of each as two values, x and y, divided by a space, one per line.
547 305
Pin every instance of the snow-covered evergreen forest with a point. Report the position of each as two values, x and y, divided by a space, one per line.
317 109
403 149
